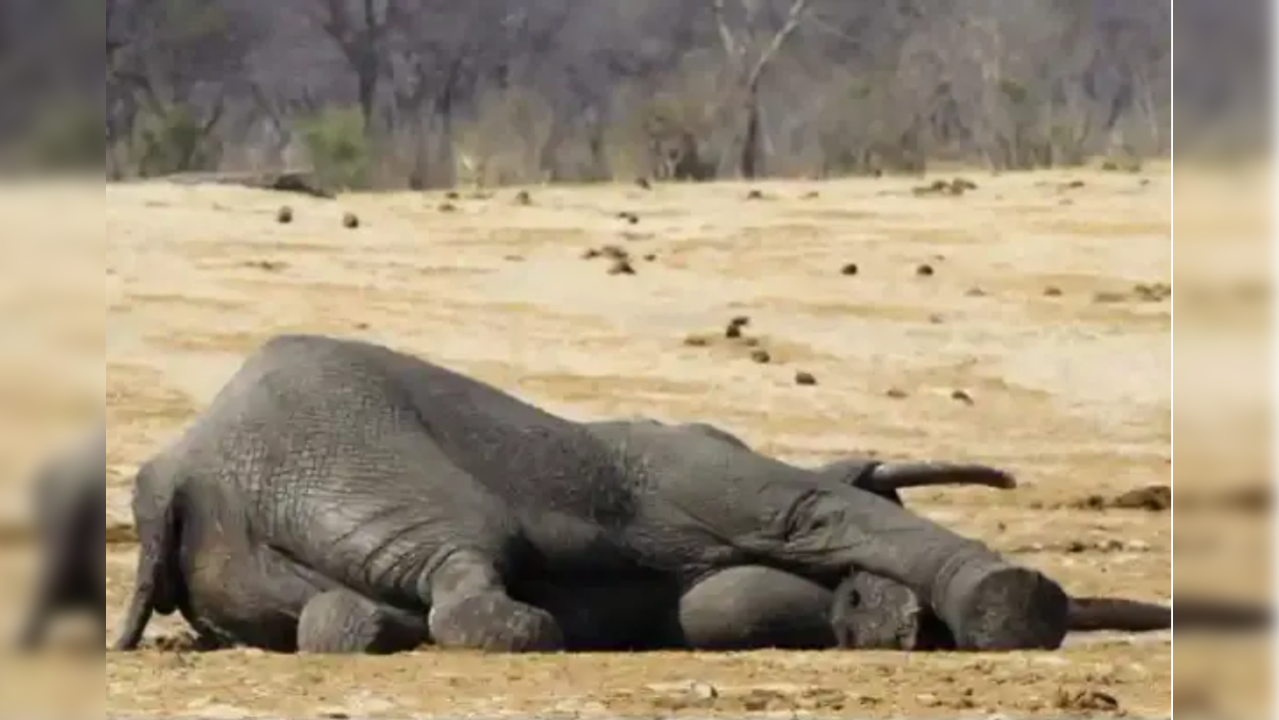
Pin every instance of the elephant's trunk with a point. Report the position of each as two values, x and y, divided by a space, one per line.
1089 614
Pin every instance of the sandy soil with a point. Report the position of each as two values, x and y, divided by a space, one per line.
1031 312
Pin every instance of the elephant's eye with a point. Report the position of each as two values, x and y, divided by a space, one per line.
854 599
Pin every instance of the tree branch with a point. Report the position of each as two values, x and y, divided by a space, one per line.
793 19
731 46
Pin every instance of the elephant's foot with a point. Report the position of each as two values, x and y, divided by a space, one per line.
494 622
874 613
340 621
871 612
993 606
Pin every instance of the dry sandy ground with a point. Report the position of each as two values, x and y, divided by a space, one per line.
1069 387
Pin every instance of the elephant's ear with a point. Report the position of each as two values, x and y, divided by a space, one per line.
891 476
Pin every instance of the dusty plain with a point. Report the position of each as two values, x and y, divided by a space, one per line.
1029 346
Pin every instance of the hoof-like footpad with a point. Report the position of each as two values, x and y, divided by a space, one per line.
495 623
1010 608
872 612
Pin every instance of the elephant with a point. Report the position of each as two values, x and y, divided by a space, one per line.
341 483
70 519
754 607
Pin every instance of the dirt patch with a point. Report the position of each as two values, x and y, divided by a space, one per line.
1038 370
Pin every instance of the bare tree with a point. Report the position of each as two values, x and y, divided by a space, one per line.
750 52
359 28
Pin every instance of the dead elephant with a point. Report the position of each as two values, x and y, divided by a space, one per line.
336 479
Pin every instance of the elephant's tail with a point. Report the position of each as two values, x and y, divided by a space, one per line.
1103 613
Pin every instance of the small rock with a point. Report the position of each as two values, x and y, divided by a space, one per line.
936 319
975 292
1052 291
750 342
761 356
1153 292
447 207
811 195
361 326
452 195
963 184
1154 498
350 221
1076 546
897 394
284 215
703 691
733 331
615 252
650 257
1086 701
697 341
925 270
805 378
1107 297
755 195
961 396
591 254
740 320
523 198
1074 185
849 269
621 266
643 184
267 265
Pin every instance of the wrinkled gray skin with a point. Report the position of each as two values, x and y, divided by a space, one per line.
337 482
755 607
70 515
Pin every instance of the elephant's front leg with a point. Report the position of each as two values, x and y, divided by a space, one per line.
822 528
470 608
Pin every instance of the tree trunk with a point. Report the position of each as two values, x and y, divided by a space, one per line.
748 164
366 81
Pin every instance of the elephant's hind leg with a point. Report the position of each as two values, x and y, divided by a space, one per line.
470 608
340 621
753 606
